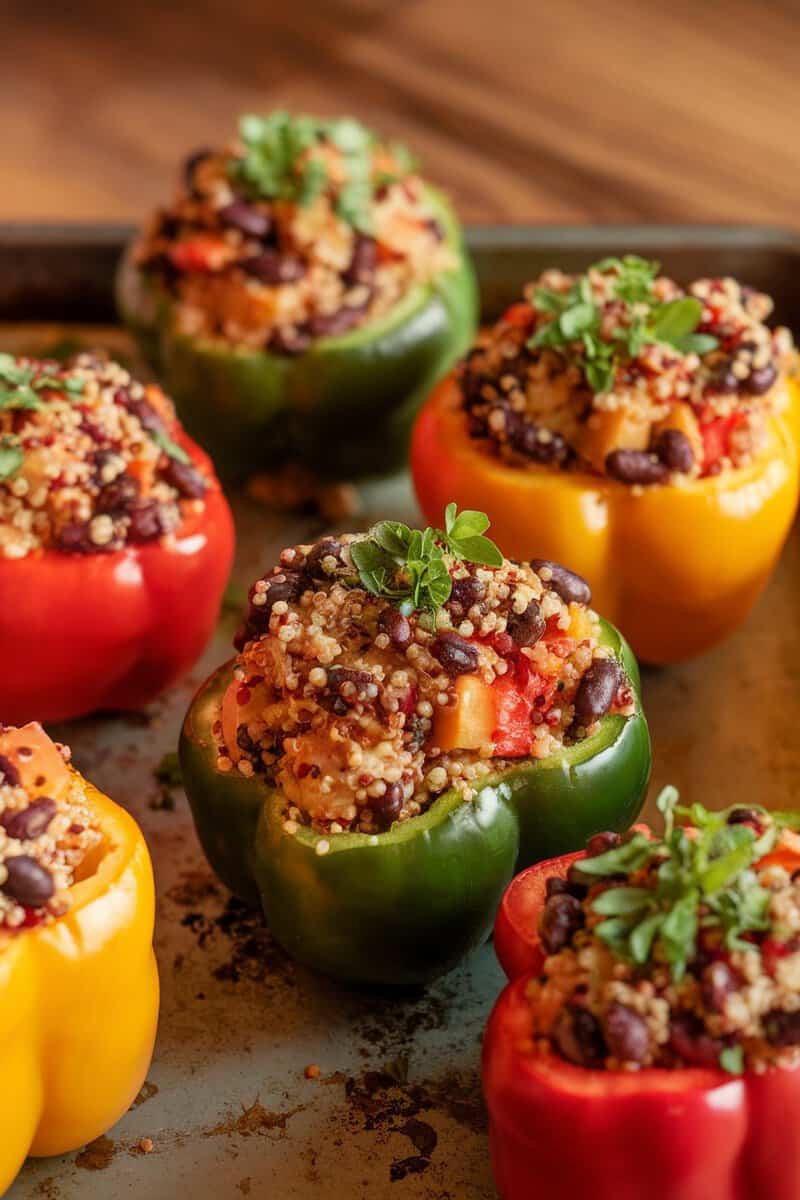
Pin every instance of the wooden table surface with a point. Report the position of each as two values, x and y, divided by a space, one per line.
571 110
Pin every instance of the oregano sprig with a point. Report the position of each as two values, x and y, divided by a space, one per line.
21 385
410 567
576 328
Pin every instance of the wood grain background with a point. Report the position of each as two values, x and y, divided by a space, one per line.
571 110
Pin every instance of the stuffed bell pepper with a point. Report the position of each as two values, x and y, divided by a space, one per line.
78 979
408 718
649 1041
300 296
643 433
115 540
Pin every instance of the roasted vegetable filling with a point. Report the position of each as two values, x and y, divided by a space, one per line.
681 951
88 460
47 831
621 372
302 229
376 672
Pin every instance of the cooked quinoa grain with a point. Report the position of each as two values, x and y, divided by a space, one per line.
681 952
88 460
47 829
348 701
301 229
622 372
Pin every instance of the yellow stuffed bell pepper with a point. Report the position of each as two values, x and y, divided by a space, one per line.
78 980
676 562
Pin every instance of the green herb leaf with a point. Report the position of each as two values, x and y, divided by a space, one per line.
643 936
676 318
627 857
170 448
731 1059
621 901
11 458
20 397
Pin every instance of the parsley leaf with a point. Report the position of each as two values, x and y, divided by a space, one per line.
11 458
731 1059
170 448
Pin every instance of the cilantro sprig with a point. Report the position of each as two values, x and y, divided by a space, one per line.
279 163
410 566
11 458
576 325
21 385
706 880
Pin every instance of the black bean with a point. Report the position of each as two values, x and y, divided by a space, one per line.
538 444
118 496
675 450
467 591
526 627
190 166
782 1028
386 808
73 538
635 466
457 656
626 1033
285 585
759 380
578 1036
245 217
556 886
718 981
396 627
27 881
572 588
362 263
599 843
147 522
290 341
689 1040
722 379
326 548
562 916
340 677
29 823
148 418
8 772
334 324
577 882
273 268
747 816
186 478
596 690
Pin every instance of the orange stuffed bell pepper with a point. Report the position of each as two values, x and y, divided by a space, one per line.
78 979
115 541
646 436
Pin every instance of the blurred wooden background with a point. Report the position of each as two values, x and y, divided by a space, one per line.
570 110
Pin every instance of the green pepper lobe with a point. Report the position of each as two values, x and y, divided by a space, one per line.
405 906
256 410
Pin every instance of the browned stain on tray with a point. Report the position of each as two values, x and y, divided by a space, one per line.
255 1119
97 1155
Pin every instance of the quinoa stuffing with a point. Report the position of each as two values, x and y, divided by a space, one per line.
357 655
48 832
682 951
88 460
621 372
301 229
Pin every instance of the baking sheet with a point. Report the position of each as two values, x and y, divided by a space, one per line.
396 1108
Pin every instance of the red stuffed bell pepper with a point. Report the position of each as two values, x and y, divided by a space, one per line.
115 541
651 1045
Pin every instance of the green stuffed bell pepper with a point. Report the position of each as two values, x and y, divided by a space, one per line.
305 290
410 718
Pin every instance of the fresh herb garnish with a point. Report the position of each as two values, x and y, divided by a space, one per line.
20 385
170 448
576 328
409 565
11 458
702 881
280 162
731 1059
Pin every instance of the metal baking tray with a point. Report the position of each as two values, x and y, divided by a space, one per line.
396 1110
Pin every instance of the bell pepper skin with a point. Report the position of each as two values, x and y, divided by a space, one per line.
111 631
359 392
676 568
686 1134
405 906
79 1005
